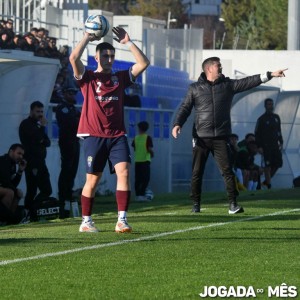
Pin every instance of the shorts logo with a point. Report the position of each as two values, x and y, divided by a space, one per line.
89 161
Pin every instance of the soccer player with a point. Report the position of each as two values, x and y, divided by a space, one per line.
269 138
102 122
211 96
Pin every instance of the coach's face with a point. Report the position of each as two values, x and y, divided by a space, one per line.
105 59
37 113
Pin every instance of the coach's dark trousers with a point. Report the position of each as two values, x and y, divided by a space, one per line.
221 151
69 165
37 177
142 177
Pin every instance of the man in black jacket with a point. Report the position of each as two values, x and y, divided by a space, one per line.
67 117
211 97
270 142
35 141
10 178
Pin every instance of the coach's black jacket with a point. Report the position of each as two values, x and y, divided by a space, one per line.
212 102
9 177
34 139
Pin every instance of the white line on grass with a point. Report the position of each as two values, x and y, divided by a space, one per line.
149 237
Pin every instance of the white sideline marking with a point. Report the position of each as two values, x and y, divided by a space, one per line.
7 262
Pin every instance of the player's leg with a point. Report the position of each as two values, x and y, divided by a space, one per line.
95 152
221 152
123 196
200 155
119 158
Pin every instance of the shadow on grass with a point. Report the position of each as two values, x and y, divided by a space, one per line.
164 205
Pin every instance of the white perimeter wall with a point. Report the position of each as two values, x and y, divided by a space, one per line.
250 62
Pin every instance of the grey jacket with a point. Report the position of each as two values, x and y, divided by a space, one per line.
212 103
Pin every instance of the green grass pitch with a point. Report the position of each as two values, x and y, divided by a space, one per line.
171 254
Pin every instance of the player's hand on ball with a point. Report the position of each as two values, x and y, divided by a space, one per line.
92 37
122 36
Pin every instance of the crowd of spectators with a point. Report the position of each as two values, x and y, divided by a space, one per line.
38 41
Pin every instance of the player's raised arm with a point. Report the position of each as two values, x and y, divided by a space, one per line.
142 61
75 56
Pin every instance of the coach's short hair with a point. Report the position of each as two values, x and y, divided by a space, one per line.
13 147
104 46
210 61
268 100
36 104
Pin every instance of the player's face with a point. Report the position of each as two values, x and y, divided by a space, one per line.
17 154
106 59
37 113
214 70
269 106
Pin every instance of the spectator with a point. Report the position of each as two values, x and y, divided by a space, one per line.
67 119
10 28
6 41
64 50
245 161
249 137
270 142
35 141
17 41
52 49
41 34
143 149
2 24
33 31
102 122
211 96
57 92
27 43
10 177
42 49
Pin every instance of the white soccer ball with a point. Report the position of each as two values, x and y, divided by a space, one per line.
97 25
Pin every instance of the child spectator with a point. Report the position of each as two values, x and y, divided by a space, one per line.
245 161
143 148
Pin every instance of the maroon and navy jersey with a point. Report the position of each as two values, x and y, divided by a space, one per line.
102 112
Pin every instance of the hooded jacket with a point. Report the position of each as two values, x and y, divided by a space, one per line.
212 102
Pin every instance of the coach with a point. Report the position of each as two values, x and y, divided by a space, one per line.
211 97
33 136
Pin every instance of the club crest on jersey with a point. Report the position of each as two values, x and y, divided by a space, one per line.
115 80
89 161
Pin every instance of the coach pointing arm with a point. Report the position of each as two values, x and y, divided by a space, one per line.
188 103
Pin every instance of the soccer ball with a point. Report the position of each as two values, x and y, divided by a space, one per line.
97 25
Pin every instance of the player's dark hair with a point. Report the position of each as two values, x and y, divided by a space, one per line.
36 104
104 46
248 135
210 61
143 126
234 135
268 100
13 147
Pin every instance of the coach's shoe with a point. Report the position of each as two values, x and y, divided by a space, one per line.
196 208
235 209
266 185
122 226
88 227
